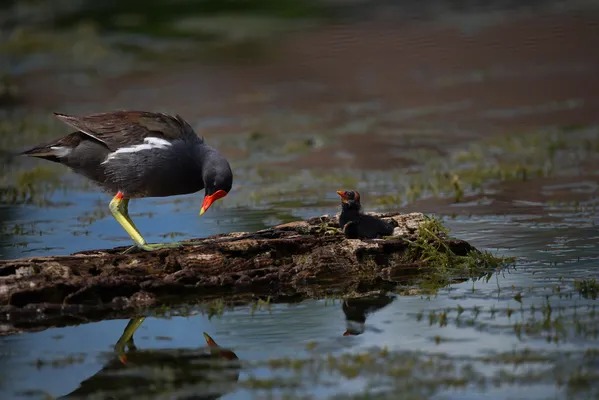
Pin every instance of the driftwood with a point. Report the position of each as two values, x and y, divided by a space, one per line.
287 262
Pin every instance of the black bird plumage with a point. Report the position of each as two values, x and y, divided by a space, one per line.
137 154
357 225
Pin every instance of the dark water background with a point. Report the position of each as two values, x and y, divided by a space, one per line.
306 98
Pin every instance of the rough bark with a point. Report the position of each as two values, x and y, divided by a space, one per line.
290 261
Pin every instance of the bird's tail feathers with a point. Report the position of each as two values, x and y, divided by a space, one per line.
46 152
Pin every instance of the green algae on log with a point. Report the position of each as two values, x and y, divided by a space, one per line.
303 259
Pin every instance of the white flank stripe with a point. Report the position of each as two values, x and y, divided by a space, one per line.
148 144
61 151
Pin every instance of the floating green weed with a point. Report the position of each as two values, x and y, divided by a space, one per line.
214 308
260 305
518 156
433 247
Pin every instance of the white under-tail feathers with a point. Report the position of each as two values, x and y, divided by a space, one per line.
148 144
61 151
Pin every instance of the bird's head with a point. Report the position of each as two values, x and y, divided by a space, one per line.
349 198
218 180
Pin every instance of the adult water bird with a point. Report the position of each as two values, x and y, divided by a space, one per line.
136 154
355 224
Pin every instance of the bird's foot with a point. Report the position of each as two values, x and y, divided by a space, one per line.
153 247
192 242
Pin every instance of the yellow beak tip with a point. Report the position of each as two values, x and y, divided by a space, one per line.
202 211
209 340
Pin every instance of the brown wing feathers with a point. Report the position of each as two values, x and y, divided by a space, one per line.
114 130
124 128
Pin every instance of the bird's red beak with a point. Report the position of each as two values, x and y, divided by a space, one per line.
342 194
208 200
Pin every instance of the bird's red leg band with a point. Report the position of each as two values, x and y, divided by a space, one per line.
119 196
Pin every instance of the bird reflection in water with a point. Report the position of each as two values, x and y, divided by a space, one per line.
205 373
357 309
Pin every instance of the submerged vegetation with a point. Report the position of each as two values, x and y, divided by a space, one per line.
462 175
588 288
385 374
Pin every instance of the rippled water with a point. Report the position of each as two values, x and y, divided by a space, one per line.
532 307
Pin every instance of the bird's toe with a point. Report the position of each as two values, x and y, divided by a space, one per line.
161 246
152 247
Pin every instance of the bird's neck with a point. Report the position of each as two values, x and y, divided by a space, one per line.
350 210
206 156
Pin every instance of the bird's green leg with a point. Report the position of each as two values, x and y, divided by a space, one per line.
125 213
119 206
126 338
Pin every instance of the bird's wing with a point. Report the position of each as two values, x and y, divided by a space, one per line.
125 128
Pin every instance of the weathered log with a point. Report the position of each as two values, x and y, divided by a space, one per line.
295 260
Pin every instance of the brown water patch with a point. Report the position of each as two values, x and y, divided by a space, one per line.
514 63
349 151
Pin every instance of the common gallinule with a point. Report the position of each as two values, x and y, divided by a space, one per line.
139 154
355 224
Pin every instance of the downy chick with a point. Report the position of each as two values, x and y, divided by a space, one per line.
355 224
